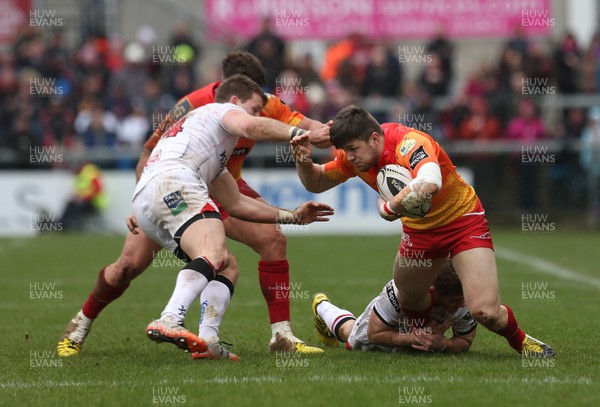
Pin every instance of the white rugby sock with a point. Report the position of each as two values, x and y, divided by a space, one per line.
333 315
214 301
189 285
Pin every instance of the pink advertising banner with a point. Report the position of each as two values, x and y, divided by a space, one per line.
394 19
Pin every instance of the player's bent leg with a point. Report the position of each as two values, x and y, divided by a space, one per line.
204 242
214 302
333 324
113 280
273 272
413 276
477 271
136 256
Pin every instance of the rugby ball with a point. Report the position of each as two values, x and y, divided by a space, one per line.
391 179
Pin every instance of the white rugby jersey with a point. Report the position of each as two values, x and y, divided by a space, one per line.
388 310
198 141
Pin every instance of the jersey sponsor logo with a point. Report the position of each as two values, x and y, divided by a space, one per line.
180 109
175 202
417 156
389 289
407 145
240 151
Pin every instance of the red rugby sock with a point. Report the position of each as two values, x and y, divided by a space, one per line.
274 279
102 294
513 334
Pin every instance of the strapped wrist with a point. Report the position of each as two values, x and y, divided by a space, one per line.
285 216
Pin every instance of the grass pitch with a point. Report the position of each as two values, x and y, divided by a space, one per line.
45 280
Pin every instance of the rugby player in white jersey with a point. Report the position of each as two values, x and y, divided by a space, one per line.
383 325
171 204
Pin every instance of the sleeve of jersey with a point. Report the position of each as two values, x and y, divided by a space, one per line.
387 307
414 151
462 322
338 169
278 110
180 109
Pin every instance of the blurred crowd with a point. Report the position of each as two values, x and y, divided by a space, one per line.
111 94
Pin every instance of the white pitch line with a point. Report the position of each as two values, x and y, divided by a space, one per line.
335 379
545 266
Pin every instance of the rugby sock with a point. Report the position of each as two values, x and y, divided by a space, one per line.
191 280
102 294
274 279
214 301
334 317
513 334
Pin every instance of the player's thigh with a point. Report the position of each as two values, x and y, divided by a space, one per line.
413 277
205 237
476 269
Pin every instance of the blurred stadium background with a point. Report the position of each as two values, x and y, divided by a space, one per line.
510 89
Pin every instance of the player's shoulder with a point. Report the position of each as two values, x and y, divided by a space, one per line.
274 104
204 95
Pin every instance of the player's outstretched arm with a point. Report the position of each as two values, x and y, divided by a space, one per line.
225 190
242 124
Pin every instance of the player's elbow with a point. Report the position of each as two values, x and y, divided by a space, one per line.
313 188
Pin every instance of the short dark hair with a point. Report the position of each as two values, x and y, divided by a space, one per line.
241 86
352 123
447 281
245 63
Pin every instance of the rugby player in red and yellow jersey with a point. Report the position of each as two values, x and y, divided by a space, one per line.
267 240
455 225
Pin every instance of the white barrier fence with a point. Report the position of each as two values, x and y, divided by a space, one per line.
28 194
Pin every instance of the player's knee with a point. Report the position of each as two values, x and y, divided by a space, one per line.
124 270
485 315
219 260
272 244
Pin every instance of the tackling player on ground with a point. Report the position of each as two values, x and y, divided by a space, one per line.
455 225
267 240
384 326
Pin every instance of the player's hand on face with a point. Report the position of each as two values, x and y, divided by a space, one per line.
320 137
310 212
132 225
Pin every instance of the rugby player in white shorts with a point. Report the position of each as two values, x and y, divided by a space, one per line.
171 204
383 326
